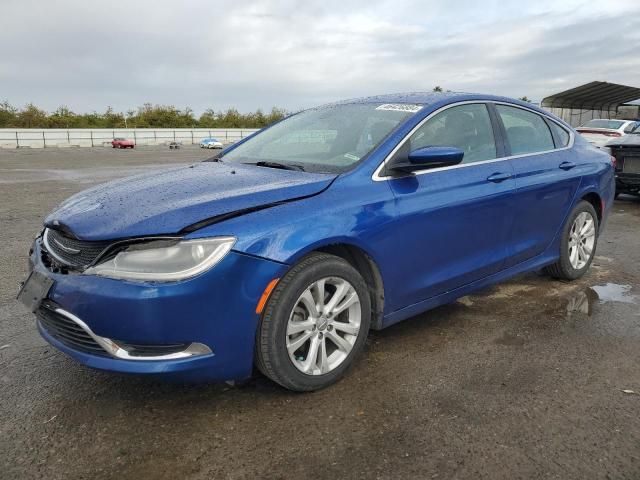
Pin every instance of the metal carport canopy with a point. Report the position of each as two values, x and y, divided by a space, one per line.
593 96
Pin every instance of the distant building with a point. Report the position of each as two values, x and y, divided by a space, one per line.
594 100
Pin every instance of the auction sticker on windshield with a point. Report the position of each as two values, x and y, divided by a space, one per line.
400 107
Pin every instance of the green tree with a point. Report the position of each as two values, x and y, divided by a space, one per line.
208 119
145 116
64 118
111 119
32 117
8 115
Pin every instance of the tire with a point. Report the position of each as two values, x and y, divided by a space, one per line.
286 311
567 268
616 195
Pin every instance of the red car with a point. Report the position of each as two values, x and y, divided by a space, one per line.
122 143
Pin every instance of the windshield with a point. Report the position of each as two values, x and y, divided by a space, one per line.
610 124
329 139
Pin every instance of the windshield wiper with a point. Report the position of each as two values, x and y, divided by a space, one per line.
283 166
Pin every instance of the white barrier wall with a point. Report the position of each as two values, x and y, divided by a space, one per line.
97 137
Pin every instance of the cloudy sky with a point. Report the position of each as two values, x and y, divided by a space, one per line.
293 54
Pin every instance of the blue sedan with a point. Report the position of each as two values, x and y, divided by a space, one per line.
283 250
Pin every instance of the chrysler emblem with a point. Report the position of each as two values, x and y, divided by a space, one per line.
71 251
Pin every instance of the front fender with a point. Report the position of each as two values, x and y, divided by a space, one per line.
347 212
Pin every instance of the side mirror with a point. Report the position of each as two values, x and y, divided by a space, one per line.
430 157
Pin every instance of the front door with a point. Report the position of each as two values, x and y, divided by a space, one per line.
452 224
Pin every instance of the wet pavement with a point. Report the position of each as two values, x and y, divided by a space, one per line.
534 378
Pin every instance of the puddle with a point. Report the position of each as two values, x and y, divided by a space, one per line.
584 301
612 292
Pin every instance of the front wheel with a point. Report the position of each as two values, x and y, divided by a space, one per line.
314 324
578 243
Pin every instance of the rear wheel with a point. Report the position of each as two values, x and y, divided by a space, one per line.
314 324
578 243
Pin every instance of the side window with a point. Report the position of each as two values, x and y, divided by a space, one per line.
467 127
559 133
631 127
527 132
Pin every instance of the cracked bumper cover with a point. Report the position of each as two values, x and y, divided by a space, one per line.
216 309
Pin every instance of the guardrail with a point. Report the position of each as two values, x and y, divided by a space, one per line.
96 137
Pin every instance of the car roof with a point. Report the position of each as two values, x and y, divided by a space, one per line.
437 98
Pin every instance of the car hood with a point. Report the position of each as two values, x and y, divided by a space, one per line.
169 201
632 139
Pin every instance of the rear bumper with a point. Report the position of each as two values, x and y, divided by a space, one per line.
215 309
627 182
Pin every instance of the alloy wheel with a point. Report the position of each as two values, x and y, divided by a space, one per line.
323 326
582 237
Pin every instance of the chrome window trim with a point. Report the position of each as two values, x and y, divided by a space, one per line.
116 351
377 177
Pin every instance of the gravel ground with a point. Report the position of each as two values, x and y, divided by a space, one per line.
524 380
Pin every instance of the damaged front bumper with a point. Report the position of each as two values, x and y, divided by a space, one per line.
198 329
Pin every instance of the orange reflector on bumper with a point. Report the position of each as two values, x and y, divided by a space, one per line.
265 295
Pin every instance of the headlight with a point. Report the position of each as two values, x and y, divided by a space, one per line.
152 262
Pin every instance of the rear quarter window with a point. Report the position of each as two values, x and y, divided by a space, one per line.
560 135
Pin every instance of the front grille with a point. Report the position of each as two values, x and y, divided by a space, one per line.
67 331
71 251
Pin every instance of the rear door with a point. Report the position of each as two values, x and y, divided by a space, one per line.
547 175
452 224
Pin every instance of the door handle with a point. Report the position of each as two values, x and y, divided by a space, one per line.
499 177
566 165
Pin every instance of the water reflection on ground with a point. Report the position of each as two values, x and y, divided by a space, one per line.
585 300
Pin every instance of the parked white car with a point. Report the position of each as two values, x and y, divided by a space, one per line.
211 143
601 130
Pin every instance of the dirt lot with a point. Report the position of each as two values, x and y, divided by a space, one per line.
524 380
